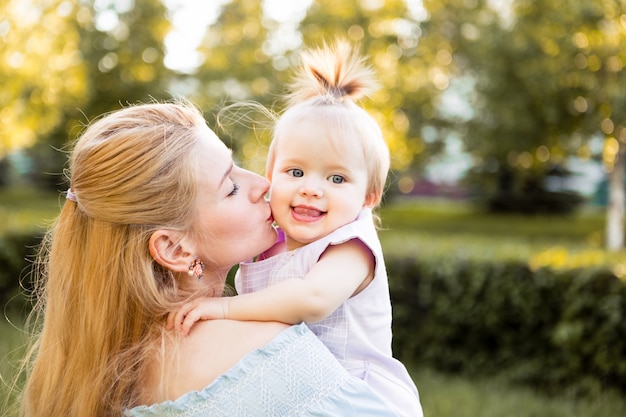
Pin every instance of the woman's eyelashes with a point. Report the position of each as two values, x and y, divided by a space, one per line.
235 189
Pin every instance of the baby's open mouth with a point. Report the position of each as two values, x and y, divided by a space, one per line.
308 211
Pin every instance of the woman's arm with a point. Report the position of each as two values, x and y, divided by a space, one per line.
342 271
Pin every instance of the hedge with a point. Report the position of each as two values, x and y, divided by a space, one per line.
17 251
546 328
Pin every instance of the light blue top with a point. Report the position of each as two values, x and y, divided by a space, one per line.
293 375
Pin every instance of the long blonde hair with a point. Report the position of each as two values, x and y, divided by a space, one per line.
100 294
325 89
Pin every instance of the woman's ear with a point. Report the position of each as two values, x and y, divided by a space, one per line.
168 249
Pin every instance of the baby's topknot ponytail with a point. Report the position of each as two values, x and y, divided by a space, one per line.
333 72
322 102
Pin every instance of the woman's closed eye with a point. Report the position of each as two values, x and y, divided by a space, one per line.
235 190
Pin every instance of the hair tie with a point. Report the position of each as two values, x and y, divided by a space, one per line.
70 195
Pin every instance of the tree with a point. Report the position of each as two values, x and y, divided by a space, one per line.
123 48
543 82
407 69
586 37
250 56
120 52
237 67
41 71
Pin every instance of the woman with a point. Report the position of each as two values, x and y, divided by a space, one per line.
156 215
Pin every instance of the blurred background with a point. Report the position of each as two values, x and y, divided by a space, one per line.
503 221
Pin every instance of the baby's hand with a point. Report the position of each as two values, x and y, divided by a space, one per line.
204 308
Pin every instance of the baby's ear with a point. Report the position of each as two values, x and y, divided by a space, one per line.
168 248
371 200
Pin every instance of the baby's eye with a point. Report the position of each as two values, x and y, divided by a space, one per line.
337 179
235 189
295 172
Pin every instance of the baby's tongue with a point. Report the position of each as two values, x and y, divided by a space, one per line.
309 212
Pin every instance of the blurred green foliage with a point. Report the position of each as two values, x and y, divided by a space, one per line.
535 299
26 209
550 329
446 395
523 85
451 217
463 229
27 213
12 342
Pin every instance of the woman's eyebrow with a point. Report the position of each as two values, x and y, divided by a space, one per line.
226 174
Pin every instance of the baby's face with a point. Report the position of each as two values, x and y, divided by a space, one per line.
316 187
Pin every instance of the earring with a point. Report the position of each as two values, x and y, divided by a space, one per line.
196 268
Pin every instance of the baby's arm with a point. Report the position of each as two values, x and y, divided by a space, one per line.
342 271
202 308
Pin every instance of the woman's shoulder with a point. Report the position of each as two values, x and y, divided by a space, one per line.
241 336
214 346
293 374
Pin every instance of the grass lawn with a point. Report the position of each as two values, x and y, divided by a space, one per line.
432 228
27 209
460 218
456 396
11 349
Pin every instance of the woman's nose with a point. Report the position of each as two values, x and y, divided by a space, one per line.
260 188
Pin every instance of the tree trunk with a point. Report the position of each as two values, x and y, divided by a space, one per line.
615 209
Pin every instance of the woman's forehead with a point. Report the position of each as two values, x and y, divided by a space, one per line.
213 155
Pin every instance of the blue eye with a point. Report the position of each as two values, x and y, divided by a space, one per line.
235 189
337 179
296 172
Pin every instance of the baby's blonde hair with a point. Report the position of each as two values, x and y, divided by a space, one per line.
101 295
326 88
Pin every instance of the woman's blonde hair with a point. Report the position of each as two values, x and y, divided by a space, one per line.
101 295
325 90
